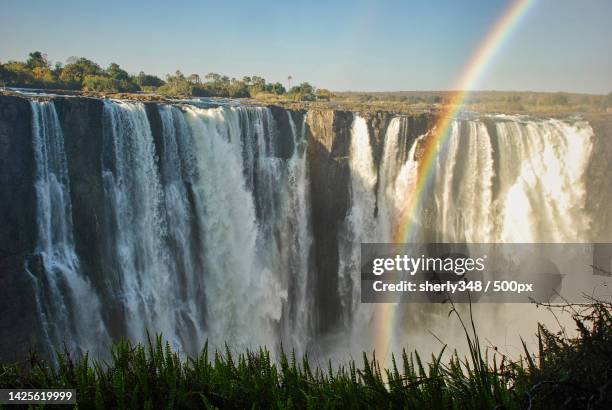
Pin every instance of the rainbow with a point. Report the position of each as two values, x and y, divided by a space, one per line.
405 228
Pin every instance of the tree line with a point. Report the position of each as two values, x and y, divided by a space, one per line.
80 73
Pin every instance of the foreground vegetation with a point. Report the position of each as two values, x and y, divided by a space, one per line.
566 372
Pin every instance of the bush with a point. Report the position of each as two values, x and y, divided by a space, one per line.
323 94
238 89
147 80
19 75
106 84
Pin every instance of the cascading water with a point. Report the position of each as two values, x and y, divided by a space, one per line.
295 242
517 180
253 214
548 162
463 186
206 224
69 310
241 302
485 189
147 284
378 193
207 230
361 224
179 173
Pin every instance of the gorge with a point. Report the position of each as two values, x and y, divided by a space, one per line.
242 224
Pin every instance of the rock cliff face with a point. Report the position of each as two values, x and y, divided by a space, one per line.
18 231
82 126
377 127
599 176
317 188
82 123
328 134
285 147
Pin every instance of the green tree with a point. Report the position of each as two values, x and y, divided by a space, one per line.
115 72
45 77
238 89
176 85
258 85
37 59
19 74
323 94
148 80
304 88
74 73
213 77
194 78
101 83
303 92
57 69
121 80
275 88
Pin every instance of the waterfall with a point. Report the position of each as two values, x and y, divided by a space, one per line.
211 234
517 180
68 307
133 191
491 177
205 229
208 229
462 191
179 173
542 181
296 241
361 224
234 284
255 221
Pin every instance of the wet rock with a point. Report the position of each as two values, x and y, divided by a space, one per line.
19 319
328 135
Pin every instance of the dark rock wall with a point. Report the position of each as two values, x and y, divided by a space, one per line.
378 122
328 134
285 146
413 127
599 177
18 231
82 124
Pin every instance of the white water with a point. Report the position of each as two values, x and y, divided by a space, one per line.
178 166
360 225
296 242
135 199
208 229
241 305
543 179
209 237
61 287
463 185
540 197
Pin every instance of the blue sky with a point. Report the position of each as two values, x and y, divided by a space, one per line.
559 45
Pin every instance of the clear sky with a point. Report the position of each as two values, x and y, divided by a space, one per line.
375 45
